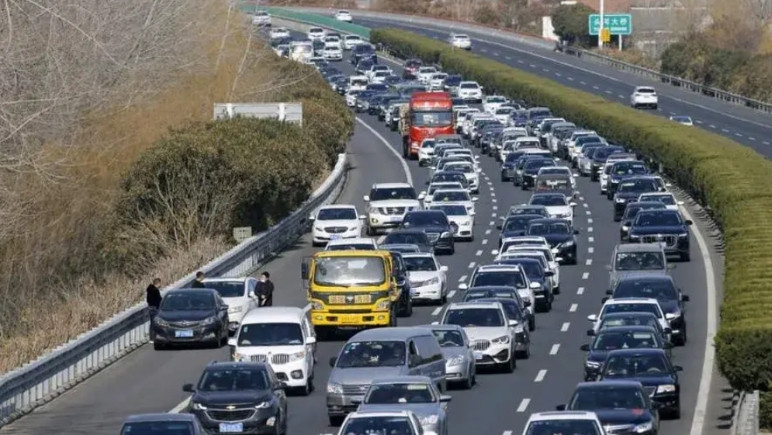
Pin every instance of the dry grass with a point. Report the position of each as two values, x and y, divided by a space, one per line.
58 184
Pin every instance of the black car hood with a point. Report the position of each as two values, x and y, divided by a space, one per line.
190 315
597 355
671 306
555 239
246 397
653 381
623 416
512 233
431 228
629 195
658 230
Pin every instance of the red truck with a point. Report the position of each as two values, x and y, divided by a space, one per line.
429 114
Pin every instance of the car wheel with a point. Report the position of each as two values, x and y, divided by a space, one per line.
511 365
309 388
525 354
531 323
680 340
335 420
158 346
393 318
686 256
556 290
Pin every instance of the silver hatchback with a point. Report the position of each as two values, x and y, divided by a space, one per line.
460 367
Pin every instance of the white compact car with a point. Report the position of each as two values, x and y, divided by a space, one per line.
647 305
644 96
377 68
470 91
333 222
426 152
436 82
667 198
558 206
261 19
459 40
492 102
683 120
454 196
316 33
584 422
283 337
356 244
238 294
470 172
491 334
332 52
351 41
425 73
279 32
461 220
387 204
542 253
333 40
427 194
343 15
428 279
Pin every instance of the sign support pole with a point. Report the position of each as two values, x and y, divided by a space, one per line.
620 42
600 29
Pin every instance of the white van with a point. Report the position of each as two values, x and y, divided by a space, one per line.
283 337
301 51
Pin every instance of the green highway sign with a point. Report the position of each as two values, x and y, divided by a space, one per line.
618 24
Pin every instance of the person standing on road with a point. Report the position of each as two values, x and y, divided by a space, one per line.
264 290
199 281
153 296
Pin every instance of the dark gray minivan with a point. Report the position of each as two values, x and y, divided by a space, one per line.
381 353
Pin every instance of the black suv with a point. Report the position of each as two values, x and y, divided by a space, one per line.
631 211
559 233
665 226
363 51
629 189
239 397
436 226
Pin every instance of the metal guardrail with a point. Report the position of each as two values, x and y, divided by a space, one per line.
746 418
584 54
42 380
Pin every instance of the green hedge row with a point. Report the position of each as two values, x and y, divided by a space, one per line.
732 180
208 177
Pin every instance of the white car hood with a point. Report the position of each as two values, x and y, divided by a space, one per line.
270 350
555 210
418 276
460 220
486 333
337 223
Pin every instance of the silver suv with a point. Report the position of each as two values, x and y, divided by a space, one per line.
387 205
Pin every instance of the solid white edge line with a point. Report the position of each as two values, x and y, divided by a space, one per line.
182 405
385 143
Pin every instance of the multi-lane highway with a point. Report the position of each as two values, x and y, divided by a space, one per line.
742 124
150 381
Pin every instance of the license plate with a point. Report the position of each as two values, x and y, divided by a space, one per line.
334 236
478 355
231 427
396 219
183 334
347 318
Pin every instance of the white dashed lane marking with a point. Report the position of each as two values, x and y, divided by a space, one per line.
488 231
520 408
589 221
591 239
580 291
588 262
479 252
589 229
570 79
462 279
485 241
451 294
572 308
590 250
565 326
492 223
585 275
436 311
471 265
555 348
540 376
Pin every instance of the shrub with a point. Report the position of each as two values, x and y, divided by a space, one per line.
729 178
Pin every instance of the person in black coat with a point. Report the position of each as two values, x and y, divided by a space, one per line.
199 281
265 290
153 294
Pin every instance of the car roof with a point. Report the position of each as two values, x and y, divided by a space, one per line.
365 414
241 279
491 288
138 418
274 315
638 351
628 314
498 268
550 221
638 247
444 327
475 305
338 206
392 333
641 328
623 301
352 241
417 254
563 415
609 383
645 277
192 291
391 185
402 380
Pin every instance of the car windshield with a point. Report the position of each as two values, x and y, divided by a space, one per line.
346 271
270 334
514 211
661 289
372 354
182 301
632 209
412 238
511 308
458 195
639 261
614 340
539 229
474 317
601 396
534 165
428 144
638 186
425 219
449 338
629 319
234 379
549 200
450 176
394 394
392 193
636 366
441 186
602 153
469 86
451 210
563 426
465 168
533 269
628 168
333 214
540 114
158 428
380 425
664 199
658 219
227 289
420 264
519 222
507 279
472 295
627 307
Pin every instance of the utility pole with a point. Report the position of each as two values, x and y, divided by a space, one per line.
600 29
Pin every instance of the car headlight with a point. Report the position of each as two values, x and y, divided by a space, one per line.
667 388
373 210
235 309
429 420
318 228
619 200
384 305
625 227
197 406
316 305
519 329
567 243
334 389
435 280
643 427
456 361
501 340
161 322
683 235
353 228
592 364
209 320
676 314
297 356
238 357
263 405
466 223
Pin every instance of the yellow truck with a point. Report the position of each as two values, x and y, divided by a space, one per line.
350 289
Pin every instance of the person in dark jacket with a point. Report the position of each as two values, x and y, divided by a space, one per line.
265 290
153 294
199 281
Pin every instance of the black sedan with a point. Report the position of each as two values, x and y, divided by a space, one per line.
632 318
190 316
621 171
629 190
615 338
517 225
599 158
662 288
559 233
652 368
622 406
631 211
531 170
436 226
666 226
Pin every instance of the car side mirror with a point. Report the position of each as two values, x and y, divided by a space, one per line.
498 226
435 323
576 232
591 333
688 222
609 292
232 342
604 299
671 266
549 273
527 303
561 407
678 368
668 185
362 217
356 401
224 308
572 204
558 259
670 316
443 268
445 398
310 340
585 347
333 360
366 198
667 331
608 267
463 286
472 213
280 386
311 217
513 323
475 198
188 388
592 317
422 195
685 298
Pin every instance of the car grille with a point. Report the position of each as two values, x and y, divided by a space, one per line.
355 390
669 240
183 324
481 344
619 429
433 237
393 210
650 390
259 358
350 299
230 415
280 358
335 230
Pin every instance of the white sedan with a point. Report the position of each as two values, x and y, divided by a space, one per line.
454 196
644 96
332 52
461 41
316 33
470 91
351 41
279 32
428 279
491 103
333 222
343 15
436 82
461 219
558 206
426 195
425 73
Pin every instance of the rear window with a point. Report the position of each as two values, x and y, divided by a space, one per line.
646 91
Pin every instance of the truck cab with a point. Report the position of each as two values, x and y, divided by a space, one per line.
429 114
